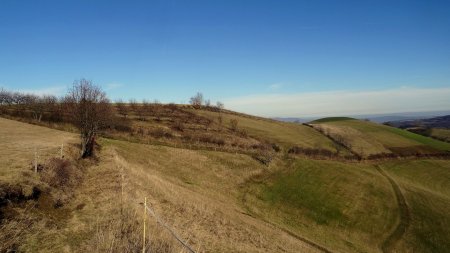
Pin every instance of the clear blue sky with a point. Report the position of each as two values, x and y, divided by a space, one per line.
229 50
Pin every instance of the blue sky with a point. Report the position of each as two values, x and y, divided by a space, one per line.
233 51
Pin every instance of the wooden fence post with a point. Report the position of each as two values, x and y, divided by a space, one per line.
145 217
122 180
35 160
62 147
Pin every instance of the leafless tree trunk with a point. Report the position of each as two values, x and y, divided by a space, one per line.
197 100
90 110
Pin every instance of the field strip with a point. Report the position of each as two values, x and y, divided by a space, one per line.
405 215
287 231
310 243
335 141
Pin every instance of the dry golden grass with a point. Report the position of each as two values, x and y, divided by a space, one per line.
368 138
195 192
354 139
198 192
18 142
441 134
283 133
223 202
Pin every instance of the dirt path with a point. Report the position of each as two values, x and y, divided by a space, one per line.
405 215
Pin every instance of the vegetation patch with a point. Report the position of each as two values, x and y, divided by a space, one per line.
297 190
439 145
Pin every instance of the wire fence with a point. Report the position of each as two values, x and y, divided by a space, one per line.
171 231
41 154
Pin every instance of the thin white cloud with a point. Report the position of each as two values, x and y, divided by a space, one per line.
275 86
54 90
113 86
329 103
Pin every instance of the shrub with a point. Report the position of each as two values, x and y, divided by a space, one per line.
59 173
160 133
140 131
121 124
234 124
311 152
212 139
264 157
276 147
243 133
262 146
62 177
178 125
172 107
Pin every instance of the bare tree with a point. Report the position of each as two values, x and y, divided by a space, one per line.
133 105
19 100
53 107
139 110
234 124
36 105
3 96
4 100
122 108
207 103
197 100
220 105
145 108
89 110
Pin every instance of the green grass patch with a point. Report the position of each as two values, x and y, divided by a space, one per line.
320 199
440 145
432 175
430 231
425 185
299 190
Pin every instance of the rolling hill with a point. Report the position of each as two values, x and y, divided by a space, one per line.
436 127
367 139
222 197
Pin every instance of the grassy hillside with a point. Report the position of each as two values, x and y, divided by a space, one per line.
440 134
227 201
425 184
347 207
18 143
285 134
196 192
367 138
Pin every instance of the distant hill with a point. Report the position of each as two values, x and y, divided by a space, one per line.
332 119
295 120
378 118
436 122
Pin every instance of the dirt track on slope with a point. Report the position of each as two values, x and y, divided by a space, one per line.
405 215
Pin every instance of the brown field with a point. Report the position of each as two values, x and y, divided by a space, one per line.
219 201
